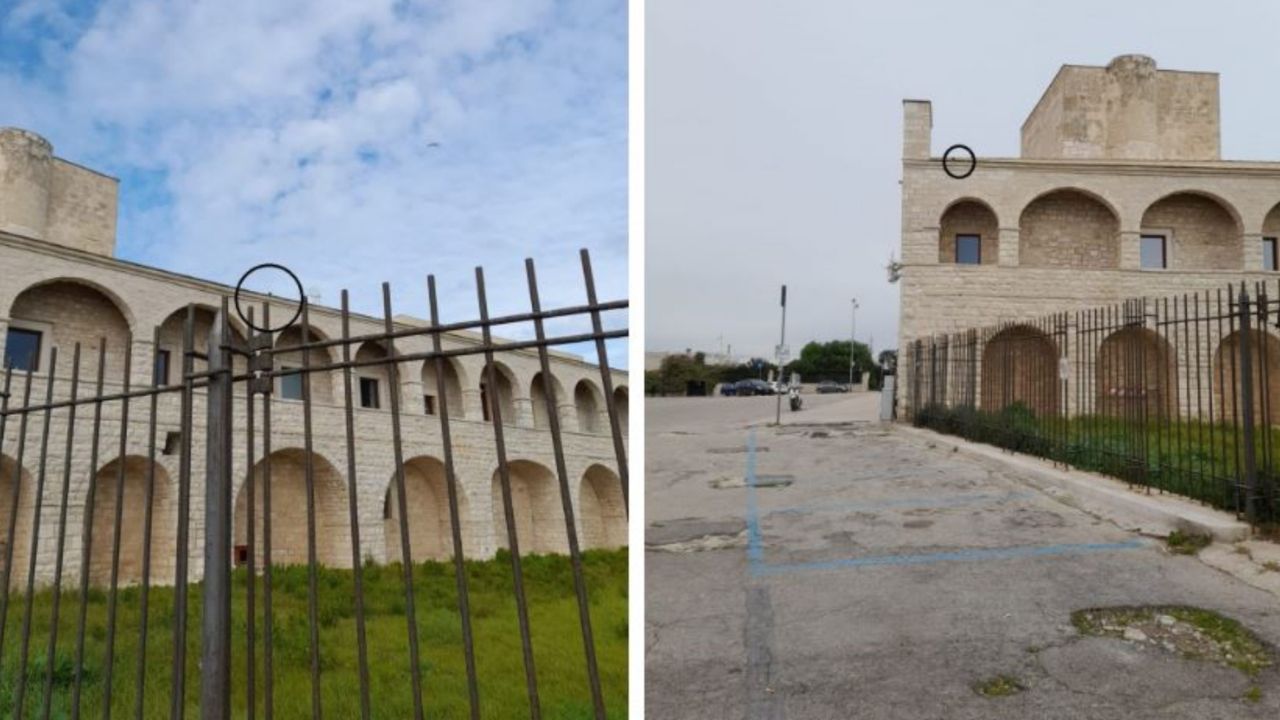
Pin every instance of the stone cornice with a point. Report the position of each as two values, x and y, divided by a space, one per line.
1150 168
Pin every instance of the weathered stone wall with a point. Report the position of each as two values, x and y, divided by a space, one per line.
47 198
1126 110
79 308
969 218
1067 229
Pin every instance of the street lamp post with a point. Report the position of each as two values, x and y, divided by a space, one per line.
853 334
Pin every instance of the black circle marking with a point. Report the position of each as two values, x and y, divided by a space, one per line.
302 298
973 161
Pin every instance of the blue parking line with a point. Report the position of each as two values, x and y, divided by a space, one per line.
755 544
977 554
759 568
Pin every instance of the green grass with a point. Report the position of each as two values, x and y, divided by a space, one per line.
1195 459
557 643
998 686
1183 543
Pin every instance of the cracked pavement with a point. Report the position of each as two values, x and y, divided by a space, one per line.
890 577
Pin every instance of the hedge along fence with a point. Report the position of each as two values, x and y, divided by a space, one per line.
1177 394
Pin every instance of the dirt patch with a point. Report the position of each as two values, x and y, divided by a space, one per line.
917 524
999 686
1191 633
735 450
695 535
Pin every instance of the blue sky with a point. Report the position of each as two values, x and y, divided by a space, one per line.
355 142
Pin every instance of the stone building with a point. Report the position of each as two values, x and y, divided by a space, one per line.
60 284
1120 191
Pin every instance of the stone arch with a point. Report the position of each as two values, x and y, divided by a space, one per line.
1204 230
601 509
539 515
16 520
504 395
589 406
1271 229
1228 381
1020 367
321 382
621 405
969 216
454 381
542 405
371 351
172 334
67 311
289 512
430 525
137 472
1069 228
1137 375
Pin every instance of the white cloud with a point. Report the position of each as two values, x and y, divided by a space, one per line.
354 141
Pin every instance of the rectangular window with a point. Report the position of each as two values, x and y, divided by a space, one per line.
162 368
1269 254
368 393
1154 252
484 402
429 404
968 249
291 385
22 349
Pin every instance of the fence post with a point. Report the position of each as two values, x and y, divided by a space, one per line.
1246 405
215 664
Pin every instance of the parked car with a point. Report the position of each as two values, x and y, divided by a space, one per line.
752 387
729 389
831 386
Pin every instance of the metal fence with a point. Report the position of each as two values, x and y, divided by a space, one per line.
233 383
1179 394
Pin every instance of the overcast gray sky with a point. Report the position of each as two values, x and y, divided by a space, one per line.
774 135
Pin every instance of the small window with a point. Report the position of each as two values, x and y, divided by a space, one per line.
162 368
369 393
484 402
22 349
1154 252
429 404
968 249
291 385
1269 254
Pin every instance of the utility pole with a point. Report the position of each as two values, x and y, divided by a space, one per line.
782 351
853 335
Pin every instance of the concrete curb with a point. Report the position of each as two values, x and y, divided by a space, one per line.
1099 495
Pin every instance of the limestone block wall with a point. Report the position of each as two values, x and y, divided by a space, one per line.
132 301
50 199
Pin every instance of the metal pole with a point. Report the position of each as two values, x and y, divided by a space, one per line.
215 666
1246 402
782 341
853 335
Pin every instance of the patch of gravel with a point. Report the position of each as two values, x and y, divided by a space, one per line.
1188 632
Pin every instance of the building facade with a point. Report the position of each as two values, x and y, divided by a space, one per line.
60 284
1120 191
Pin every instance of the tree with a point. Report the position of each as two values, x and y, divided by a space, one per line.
830 361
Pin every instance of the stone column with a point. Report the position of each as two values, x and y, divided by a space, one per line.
472 409
4 338
144 362
524 413
569 418
411 395
1253 252
1008 246
1130 250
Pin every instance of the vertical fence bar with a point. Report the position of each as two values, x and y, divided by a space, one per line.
113 594
566 502
1246 401
357 565
251 501
215 663
268 624
86 539
455 518
606 380
34 552
309 477
51 655
147 528
13 511
504 477
177 696
406 554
